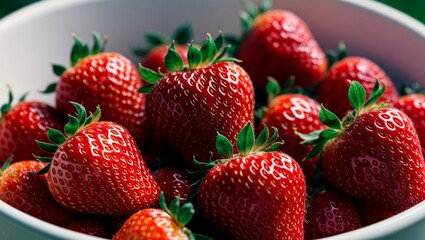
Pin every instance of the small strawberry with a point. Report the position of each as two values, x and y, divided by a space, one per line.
108 80
258 193
22 124
413 105
154 54
279 44
159 224
292 113
173 182
373 154
371 213
97 167
335 84
329 213
29 193
90 226
191 103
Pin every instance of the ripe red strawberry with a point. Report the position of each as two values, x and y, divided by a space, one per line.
108 80
336 82
154 54
279 44
173 183
258 193
374 154
191 103
290 114
90 226
413 105
27 192
97 167
158 224
330 213
371 213
21 124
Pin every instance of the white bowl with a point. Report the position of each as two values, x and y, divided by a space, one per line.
38 35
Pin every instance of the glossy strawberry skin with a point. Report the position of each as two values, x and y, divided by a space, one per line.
332 91
99 170
155 58
261 196
29 193
173 182
378 159
330 213
188 108
108 80
280 45
23 124
413 105
292 113
150 224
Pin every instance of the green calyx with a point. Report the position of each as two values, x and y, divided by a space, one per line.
182 35
357 98
7 106
181 214
79 51
57 138
6 164
251 12
414 89
207 55
335 56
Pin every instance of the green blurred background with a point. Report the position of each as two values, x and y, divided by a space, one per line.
415 8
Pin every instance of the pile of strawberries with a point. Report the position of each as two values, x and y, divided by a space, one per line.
264 138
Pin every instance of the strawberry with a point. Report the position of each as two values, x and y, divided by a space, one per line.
97 167
21 124
413 105
330 213
154 54
291 113
157 224
279 44
29 193
191 103
335 84
371 213
108 80
90 226
173 182
258 193
374 154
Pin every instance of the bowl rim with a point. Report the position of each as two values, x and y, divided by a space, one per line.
380 229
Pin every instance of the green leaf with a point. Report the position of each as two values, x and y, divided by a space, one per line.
272 88
250 8
96 116
274 147
356 96
23 97
264 6
245 140
50 88
310 136
262 137
163 203
174 206
198 236
376 93
98 44
58 69
331 55
183 34
329 118
149 75
6 164
194 57
47 147
208 50
342 51
220 58
81 113
43 170
273 138
79 51
173 61
6 107
146 88
224 146
218 41
317 149
185 214
55 136
42 159
260 113
246 22
154 39
140 51
72 126
330 133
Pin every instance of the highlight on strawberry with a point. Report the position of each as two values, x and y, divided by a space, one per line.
255 193
193 102
96 167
